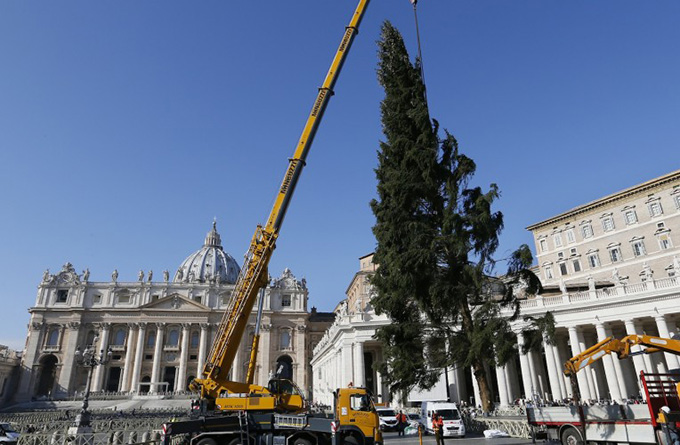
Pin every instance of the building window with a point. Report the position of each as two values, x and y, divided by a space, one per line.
119 338
615 254
630 216
173 337
96 299
563 269
557 239
638 247
197 298
62 295
676 199
664 240
573 251
548 273
285 300
195 338
124 297
151 339
577 265
593 260
544 244
53 337
285 339
587 230
655 209
608 223
560 255
571 238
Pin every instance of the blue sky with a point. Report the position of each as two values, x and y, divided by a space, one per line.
126 126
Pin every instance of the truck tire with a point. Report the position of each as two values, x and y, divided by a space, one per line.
302 441
350 440
571 436
206 441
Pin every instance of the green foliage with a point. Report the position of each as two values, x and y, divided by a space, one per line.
436 237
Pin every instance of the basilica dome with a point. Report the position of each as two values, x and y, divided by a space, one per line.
208 264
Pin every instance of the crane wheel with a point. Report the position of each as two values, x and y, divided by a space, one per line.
570 436
301 441
206 441
350 440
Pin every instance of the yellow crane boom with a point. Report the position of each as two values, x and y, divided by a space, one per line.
620 347
253 275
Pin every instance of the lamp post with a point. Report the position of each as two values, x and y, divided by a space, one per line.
88 359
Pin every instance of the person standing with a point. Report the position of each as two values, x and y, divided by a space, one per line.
401 423
438 427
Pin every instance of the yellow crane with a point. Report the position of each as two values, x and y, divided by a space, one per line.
280 395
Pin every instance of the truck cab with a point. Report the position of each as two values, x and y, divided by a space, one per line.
357 416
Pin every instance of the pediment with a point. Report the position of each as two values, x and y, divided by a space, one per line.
176 302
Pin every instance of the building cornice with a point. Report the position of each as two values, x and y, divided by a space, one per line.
609 199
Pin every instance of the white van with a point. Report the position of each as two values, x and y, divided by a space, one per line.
453 423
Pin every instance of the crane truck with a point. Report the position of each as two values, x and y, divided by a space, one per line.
245 413
654 422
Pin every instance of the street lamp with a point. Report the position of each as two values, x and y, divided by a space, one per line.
89 359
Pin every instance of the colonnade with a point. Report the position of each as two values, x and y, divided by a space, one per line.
541 375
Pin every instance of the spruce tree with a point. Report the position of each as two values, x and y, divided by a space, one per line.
436 238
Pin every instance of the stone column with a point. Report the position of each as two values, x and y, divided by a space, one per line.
129 354
617 368
238 370
202 350
638 361
673 361
359 377
139 358
183 356
36 333
347 364
553 375
378 387
69 362
100 370
581 376
559 367
610 372
301 354
502 384
157 356
536 388
265 339
475 388
590 371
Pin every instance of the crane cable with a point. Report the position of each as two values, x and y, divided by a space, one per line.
420 53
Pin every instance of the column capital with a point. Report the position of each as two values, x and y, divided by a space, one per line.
205 326
37 325
100 325
186 326
74 325
141 325
160 325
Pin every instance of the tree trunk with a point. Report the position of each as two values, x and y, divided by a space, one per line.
484 388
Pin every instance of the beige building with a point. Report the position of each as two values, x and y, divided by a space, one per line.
629 236
160 331
609 268
9 368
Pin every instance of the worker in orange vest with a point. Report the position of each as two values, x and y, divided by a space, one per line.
401 423
438 427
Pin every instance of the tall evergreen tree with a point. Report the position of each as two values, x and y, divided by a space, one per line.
436 238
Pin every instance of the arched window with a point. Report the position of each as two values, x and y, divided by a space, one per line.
119 338
173 337
195 339
284 367
151 339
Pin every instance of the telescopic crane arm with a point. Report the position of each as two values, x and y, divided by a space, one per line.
253 275
621 348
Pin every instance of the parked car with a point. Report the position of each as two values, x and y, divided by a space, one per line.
388 419
8 435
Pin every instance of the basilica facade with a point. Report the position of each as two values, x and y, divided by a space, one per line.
159 332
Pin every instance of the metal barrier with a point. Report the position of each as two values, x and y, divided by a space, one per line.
110 438
514 427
